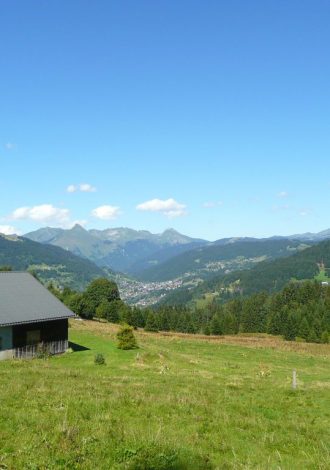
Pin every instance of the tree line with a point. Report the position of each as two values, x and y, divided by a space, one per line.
300 311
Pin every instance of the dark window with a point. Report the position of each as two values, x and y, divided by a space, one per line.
33 337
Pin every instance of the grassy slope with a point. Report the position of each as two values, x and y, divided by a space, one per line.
228 399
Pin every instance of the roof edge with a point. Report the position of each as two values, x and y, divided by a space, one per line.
39 320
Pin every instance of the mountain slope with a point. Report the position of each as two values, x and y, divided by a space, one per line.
121 249
221 258
268 276
275 274
50 263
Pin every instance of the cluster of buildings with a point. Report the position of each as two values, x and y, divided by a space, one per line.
144 294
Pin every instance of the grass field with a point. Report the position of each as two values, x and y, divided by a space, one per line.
178 402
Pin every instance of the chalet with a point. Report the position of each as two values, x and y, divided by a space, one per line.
30 317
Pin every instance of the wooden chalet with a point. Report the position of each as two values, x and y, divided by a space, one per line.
31 318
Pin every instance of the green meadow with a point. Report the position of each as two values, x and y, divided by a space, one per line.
177 402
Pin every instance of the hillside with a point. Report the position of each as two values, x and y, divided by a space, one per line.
276 274
177 403
268 276
49 262
121 249
221 257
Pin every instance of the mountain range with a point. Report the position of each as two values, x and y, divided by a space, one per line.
169 255
121 249
75 256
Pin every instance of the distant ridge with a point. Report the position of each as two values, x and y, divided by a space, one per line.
122 249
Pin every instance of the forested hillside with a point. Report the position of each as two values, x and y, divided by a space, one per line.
274 275
267 276
50 263
222 257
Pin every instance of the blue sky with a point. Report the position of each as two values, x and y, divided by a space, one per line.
212 117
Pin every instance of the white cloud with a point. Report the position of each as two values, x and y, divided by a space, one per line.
283 194
106 212
87 188
43 213
169 207
10 146
83 187
211 204
8 230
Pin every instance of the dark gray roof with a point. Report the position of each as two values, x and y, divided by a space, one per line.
24 300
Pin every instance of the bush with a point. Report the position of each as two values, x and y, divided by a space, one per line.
99 359
126 338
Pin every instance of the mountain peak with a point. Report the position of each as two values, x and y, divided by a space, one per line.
78 227
171 230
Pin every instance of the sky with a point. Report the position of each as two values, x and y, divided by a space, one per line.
210 116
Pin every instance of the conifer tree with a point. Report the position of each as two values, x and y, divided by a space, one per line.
215 325
304 328
151 322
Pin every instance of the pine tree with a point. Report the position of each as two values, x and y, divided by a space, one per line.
151 323
303 331
291 327
312 338
215 326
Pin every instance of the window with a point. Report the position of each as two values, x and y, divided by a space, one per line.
33 337
0 343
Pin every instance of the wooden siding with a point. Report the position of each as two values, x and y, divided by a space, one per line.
50 331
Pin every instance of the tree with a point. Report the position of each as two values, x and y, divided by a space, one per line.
230 326
291 327
75 303
102 310
303 331
325 337
151 323
126 338
254 314
98 291
113 311
215 325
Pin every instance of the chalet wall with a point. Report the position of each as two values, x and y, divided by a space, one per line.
6 335
56 330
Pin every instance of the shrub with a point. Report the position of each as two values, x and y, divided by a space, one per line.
99 359
126 338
